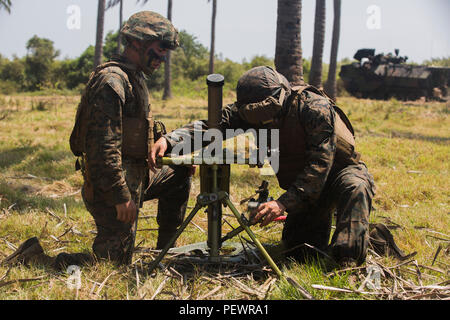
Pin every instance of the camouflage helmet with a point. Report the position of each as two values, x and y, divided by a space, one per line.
261 95
151 26
260 83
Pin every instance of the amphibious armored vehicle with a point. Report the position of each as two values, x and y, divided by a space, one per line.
384 76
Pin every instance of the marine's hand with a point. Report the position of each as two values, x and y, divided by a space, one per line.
158 150
126 212
269 211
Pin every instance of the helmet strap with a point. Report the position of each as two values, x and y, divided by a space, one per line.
283 88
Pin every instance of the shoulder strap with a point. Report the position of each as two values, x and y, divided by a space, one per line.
122 71
344 119
119 64
342 115
300 89
308 87
283 88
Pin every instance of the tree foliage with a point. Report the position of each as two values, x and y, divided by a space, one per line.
39 62
438 62
40 68
78 70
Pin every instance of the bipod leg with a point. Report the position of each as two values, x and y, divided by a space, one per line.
226 200
129 257
263 251
174 238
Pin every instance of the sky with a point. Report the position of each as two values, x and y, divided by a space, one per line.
244 28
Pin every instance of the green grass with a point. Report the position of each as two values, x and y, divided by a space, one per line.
404 144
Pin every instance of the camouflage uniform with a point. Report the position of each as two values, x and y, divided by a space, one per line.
316 174
114 147
117 178
112 136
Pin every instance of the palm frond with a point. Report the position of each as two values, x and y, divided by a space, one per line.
6 4
112 3
143 1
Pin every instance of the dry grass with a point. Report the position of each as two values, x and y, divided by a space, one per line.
405 145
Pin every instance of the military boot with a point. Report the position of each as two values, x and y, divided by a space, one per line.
63 260
164 237
382 242
28 252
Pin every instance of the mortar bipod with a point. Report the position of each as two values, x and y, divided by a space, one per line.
214 187
220 198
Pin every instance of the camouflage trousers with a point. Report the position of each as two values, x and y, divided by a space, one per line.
171 186
349 192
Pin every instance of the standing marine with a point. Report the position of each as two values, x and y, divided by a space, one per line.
112 137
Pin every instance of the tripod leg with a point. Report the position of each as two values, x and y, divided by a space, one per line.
253 237
214 229
159 258
131 248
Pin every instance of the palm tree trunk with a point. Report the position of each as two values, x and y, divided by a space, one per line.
315 77
213 37
167 72
330 87
99 39
288 50
119 38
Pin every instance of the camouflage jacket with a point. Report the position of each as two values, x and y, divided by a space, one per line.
311 114
115 93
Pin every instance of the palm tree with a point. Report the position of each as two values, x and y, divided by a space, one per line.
213 36
167 74
99 39
288 49
113 3
315 76
5 4
330 87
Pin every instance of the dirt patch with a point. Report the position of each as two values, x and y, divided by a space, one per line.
57 189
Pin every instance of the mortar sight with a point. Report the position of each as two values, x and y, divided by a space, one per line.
216 80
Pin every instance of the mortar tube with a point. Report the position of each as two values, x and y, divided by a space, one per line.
215 84
214 220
